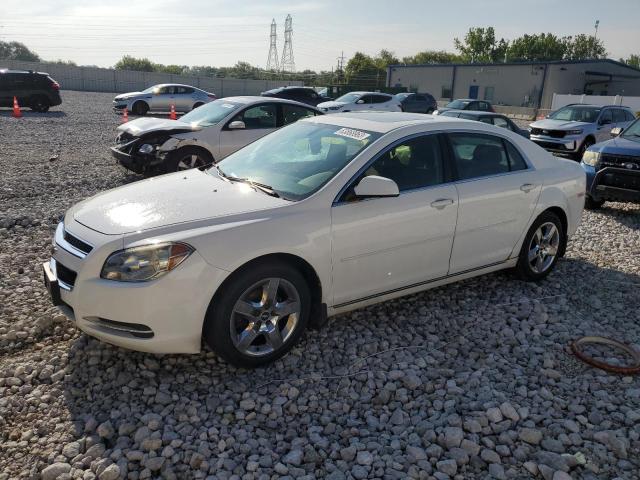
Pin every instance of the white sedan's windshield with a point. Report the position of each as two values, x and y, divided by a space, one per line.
348 98
296 160
210 113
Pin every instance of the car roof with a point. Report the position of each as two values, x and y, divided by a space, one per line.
6 70
381 122
362 92
175 85
476 113
249 99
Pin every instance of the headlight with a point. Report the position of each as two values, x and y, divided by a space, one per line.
590 158
141 264
574 132
435 112
147 148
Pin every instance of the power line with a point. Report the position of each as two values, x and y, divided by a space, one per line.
288 64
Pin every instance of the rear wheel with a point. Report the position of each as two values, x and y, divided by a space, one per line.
591 204
259 315
140 108
187 158
39 103
196 105
541 248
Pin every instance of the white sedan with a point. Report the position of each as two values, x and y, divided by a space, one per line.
324 216
362 101
204 136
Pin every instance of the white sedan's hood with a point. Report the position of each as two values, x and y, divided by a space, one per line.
143 125
124 96
331 104
167 200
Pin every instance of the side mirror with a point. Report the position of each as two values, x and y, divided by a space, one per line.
237 125
616 131
360 102
374 186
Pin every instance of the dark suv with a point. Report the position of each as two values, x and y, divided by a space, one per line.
306 95
32 89
417 102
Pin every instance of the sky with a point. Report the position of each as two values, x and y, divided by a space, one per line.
222 32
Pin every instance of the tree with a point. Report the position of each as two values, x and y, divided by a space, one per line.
544 46
138 64
632 61
585 47
432 57
175 69
384 59
480 45
361 69
17 51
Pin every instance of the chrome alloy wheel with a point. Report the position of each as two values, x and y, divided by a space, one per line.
543 247
265 316
190 161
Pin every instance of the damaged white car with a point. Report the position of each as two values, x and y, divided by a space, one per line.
203 136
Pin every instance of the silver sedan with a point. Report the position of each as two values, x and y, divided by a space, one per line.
159 98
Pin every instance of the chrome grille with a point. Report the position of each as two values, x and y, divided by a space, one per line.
628 162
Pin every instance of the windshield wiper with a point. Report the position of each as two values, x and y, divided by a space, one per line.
256 185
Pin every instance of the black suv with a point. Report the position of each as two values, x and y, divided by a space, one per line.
417 102
32 89
306 95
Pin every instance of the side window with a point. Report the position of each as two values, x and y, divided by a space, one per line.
618 115
415 163
260 116
472 106
380 98
186 90
484 106
366 99
516 162
628 116
486 120
606 117
165 90
501 122
293 113
419 98
478 155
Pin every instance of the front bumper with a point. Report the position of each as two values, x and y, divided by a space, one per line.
561 145
613 184
161 316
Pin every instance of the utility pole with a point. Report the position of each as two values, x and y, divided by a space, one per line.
272 61
596 27
340 69
288 64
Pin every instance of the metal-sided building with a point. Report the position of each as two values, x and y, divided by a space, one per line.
525 84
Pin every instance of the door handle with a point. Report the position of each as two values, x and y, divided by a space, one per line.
527 187
441 203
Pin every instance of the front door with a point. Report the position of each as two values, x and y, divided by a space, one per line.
498 192
605 124
386 244
162 99
258 120
473 91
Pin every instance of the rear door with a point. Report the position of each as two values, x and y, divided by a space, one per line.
259 120
384 102
184 98
498 191
605 124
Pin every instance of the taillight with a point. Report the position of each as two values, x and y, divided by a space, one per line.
55 86
211 95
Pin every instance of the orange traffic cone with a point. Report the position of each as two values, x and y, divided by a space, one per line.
125 115
172 114
16 109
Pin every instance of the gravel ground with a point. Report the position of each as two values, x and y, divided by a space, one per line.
471 380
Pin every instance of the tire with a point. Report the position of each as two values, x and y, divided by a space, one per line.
534 262
591 204
586 144
140 108
242 325
39 103
187 158
196 105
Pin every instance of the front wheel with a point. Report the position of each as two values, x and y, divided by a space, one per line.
140 108
541 248
259 315
592 204
586 144
187 158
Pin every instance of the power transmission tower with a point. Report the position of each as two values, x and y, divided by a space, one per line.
287 63
272 61
340 69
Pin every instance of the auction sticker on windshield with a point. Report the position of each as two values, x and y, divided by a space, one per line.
351 133
227 105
